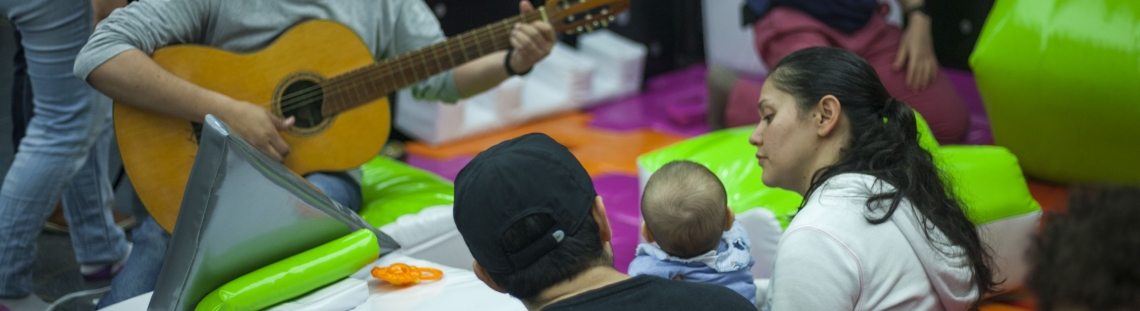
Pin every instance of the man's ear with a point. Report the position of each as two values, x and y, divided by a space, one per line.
828 113
645 233
599 213
729 218
486 278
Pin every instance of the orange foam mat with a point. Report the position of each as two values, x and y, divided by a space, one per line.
1053 198
600 151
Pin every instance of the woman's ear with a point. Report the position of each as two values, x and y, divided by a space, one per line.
645 233
729 218
829 110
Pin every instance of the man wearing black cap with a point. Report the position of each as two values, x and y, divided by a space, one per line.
529 214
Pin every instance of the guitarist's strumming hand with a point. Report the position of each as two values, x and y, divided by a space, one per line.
532 41
259 127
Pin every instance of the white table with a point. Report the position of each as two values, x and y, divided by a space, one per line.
458 290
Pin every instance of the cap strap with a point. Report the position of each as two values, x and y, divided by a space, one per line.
538 248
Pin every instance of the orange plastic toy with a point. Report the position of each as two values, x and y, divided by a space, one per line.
402 274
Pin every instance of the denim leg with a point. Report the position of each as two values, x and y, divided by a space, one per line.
140 274
340 187
59 137
87 206
22 106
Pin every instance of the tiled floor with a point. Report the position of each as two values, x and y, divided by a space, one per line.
56 273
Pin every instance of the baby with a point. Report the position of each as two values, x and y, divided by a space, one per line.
686 212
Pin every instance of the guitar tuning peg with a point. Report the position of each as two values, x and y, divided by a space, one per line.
588 16
581 29
605 11
597 24
605 23
570 18
612 18
569 32
589 28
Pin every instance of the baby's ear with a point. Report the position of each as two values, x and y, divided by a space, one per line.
729 218
645 233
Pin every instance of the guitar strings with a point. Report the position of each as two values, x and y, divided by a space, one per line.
313 94
307 95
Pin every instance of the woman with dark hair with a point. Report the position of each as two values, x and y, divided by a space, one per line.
878 229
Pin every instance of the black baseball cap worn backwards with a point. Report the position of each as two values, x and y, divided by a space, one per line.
528 175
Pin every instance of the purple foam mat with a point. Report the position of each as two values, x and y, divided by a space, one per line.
672 103
694 74
619 194
444 168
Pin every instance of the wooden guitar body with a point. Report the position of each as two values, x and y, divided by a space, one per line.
159 150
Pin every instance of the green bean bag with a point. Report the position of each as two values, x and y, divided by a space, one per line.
1060 80
296 275
392 189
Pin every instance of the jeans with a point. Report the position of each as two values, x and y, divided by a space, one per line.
65 149
140 274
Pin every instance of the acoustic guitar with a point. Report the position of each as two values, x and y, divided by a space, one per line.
340 104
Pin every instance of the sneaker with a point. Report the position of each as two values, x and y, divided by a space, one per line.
102 272
30 303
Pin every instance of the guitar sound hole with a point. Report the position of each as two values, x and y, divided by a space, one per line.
303 100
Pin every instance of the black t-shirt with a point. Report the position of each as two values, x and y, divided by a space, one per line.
653 293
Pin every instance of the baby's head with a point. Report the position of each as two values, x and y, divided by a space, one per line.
685 209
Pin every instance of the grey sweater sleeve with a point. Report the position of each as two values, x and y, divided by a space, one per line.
416 27
146 26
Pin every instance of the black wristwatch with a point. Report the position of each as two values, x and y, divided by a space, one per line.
906 14
507 64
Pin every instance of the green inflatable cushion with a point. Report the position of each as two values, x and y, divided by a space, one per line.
1060 80
296 275
391 189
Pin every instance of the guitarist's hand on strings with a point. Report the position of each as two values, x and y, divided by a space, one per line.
259 127
531 42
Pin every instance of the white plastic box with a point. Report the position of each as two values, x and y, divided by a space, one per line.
561 82
607 66
436 123
620 64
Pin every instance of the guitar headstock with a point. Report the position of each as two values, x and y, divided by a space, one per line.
578 16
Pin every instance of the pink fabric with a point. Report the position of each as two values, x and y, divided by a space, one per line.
785 30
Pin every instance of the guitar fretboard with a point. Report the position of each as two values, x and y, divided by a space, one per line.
368 83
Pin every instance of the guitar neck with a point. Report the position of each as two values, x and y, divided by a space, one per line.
370 82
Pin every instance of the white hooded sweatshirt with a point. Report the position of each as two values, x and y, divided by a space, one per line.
832 258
